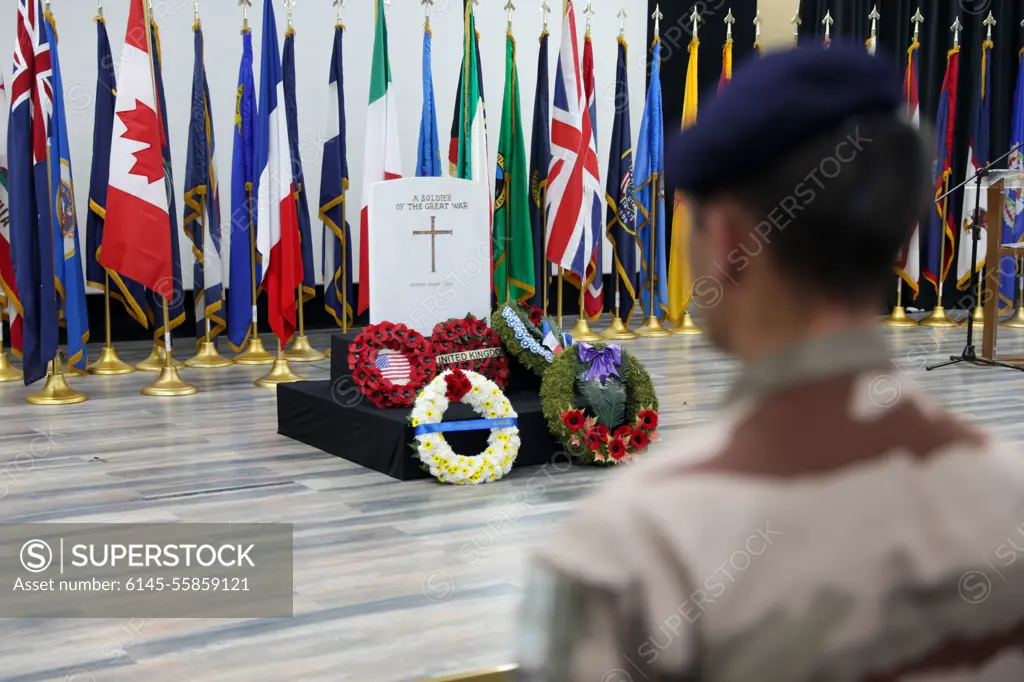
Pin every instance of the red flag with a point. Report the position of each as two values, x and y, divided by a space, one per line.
136 235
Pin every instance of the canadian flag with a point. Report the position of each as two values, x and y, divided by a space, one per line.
277 223
137 234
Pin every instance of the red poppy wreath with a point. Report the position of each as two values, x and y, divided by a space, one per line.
380 374
470 345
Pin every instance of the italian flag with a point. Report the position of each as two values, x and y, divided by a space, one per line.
382 160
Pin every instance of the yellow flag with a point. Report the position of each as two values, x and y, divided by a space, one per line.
679 265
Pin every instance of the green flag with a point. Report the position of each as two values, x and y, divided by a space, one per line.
512 235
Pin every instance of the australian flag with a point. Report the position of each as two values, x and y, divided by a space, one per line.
540 159
621 222
31 236
333 184
243 219
291 108
176 302
129 292
67 261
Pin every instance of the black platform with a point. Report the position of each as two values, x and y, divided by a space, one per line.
335 417
379 439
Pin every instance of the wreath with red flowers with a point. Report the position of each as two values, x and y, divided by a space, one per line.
619 417
362 360
470 345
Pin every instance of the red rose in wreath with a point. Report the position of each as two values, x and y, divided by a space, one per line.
367 362
473 336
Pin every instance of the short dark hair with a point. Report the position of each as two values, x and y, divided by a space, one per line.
836 212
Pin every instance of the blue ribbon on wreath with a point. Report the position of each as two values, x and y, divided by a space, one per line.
467 425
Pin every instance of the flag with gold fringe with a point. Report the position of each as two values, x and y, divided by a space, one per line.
678 265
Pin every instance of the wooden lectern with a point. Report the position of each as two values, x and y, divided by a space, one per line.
998 185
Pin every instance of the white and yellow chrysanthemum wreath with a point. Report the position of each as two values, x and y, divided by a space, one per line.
496 413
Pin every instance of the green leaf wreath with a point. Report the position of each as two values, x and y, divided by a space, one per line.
529 320
607 422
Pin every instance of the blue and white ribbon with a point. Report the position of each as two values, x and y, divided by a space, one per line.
523 336
467 425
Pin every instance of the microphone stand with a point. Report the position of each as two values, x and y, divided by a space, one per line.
969 353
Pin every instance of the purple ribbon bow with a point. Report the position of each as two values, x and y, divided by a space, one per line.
603 362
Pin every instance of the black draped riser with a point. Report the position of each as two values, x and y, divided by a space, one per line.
851 21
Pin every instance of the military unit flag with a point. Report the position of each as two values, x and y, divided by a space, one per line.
650 194
244 271
511 238
202 203
1013 214
382 160
277 229
428 152
333 198
940 237
621 221
977 158
67 262
540 159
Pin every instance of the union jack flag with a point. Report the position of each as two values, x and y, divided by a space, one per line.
574 185
32 72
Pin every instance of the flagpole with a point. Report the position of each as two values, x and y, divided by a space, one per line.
8 372
560 282
109 363
56 390
938 317
168 383
207 356
254 353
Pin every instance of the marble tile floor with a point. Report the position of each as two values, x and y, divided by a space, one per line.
393 581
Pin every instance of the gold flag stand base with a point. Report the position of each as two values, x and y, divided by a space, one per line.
56 390
9 372
207 357
898 318
155 362
687 327
302 351
617 331
938 319
109 364
327 354
169 384
652 328
280 373
1015 321
581 331
254 354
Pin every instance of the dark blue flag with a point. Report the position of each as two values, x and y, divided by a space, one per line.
176 302
333 184
299 184
243 218
67 261
31 238
128 291
621 222
540 159
1013 218
202 195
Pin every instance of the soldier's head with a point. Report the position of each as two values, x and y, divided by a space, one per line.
803 180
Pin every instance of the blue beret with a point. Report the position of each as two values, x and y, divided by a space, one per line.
775 104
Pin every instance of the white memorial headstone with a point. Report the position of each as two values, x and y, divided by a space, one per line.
430 250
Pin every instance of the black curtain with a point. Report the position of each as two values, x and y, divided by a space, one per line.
894 33
676 32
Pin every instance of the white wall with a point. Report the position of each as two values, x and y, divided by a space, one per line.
314 24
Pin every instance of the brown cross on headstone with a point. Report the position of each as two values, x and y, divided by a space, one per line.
433 232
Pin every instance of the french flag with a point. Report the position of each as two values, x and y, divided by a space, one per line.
277 221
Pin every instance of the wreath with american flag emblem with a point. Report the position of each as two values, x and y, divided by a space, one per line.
390 363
